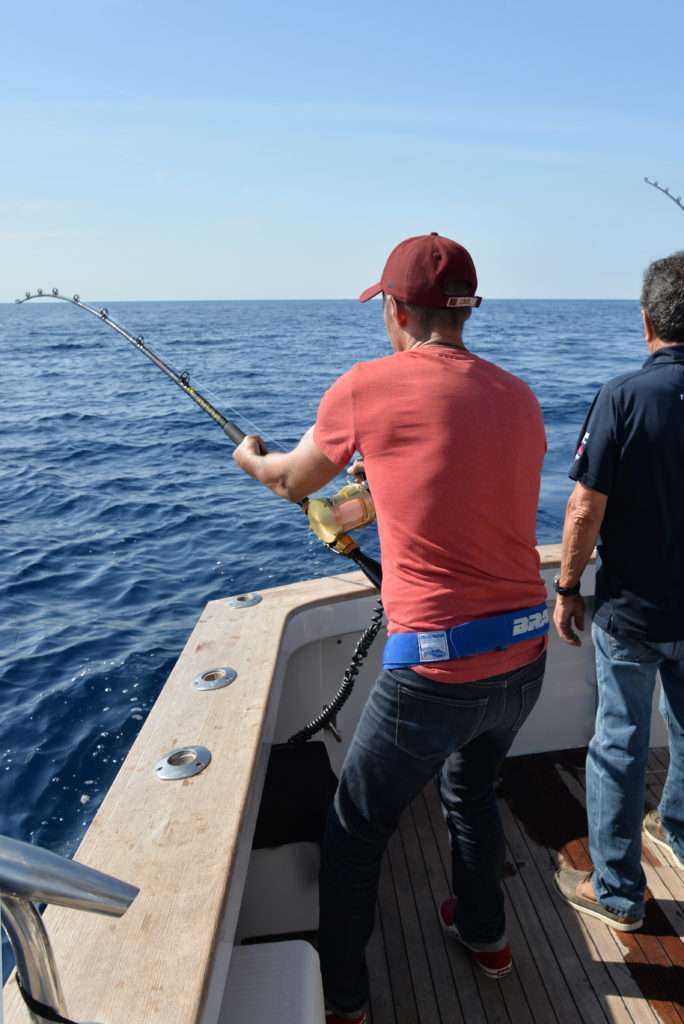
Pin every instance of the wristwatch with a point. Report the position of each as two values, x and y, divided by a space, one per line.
565 591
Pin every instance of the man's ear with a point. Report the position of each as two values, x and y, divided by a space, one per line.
649 330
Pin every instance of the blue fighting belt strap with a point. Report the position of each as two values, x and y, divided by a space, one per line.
479 637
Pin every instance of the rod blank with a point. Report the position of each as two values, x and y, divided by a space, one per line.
229 428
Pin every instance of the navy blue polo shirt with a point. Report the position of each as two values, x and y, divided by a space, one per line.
631 448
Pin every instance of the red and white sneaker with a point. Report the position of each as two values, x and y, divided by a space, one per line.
360 1017
495 958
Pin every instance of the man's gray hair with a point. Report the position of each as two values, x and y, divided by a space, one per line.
662 296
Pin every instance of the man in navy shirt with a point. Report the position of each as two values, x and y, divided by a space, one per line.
629 473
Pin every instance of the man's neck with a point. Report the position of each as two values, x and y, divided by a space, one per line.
446 341
657 344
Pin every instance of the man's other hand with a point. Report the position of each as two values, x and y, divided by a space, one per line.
250 447
569 611
357 472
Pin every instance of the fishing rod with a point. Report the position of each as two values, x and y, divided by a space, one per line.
181 379
677 200
331 519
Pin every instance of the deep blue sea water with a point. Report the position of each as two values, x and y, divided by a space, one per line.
122 514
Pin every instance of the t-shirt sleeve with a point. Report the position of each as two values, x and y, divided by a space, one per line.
334 431
598 451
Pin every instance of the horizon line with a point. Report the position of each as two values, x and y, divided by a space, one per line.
499 298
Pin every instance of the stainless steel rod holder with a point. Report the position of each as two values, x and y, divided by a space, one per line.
33 954
29 875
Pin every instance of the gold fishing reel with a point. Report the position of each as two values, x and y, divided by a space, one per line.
331 519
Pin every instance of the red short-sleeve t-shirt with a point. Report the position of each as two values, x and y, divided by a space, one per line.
453 447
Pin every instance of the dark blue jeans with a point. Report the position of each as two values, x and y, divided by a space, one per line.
410 729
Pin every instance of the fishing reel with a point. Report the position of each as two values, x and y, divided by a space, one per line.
331 519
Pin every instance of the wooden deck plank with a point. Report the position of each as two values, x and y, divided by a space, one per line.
558 820
417 960
400 979
670 878
460 964
491 995
568 967
609 1003
536 874
610 950
550 823
382 1004
645 958
533 1002
644 955
426 905
665 881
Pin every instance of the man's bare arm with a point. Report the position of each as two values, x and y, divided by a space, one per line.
583 517
291 475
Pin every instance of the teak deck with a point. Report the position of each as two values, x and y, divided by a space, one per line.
567 968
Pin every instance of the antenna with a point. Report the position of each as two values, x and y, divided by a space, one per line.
666 192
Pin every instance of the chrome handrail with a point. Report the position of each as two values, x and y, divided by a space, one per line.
29 875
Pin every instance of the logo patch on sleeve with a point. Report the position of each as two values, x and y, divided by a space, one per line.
580 451
433 647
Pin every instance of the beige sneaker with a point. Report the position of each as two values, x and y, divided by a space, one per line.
653 830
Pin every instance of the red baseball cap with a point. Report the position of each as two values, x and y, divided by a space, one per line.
428 270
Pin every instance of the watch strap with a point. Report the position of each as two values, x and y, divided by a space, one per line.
565 591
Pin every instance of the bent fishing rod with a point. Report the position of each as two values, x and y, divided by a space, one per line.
330 519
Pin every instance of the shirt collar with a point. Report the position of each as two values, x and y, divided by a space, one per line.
669 354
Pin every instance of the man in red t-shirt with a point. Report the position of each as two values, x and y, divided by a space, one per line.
452 449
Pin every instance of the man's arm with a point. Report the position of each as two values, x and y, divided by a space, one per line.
291 475
583 517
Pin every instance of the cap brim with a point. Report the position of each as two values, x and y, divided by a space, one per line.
370 293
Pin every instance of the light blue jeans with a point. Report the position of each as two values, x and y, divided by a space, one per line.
616 761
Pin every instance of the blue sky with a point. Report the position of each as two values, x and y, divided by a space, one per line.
279 150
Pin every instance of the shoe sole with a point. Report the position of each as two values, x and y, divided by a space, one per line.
618 926
490 972
662 844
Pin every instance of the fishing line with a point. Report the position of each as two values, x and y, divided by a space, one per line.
331 519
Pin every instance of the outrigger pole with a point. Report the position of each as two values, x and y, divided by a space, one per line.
343 544
666 192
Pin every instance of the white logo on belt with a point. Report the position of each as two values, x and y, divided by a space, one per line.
433 646
526 623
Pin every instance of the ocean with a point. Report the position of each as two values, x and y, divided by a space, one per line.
122 513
